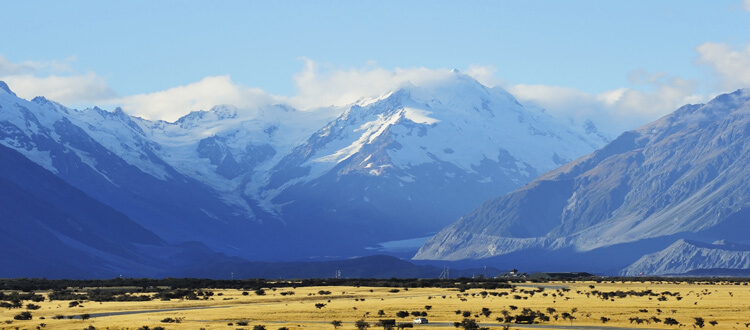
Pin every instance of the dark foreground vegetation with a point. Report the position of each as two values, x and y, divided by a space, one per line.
99 290
22 298
31 284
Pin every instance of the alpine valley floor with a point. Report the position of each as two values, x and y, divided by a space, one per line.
569 305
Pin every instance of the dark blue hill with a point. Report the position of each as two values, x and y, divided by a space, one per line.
53 230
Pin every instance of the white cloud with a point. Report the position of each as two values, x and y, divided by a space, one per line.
8 68
731 67
173 103
54 80
484 74
68 90
746 5
322 85
614 110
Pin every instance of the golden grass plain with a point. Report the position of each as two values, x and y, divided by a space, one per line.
726 303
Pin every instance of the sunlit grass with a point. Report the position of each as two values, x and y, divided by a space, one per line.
726 303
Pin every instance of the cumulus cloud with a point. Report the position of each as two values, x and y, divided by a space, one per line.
68 90
485 74
731 66
317 85
173 103
320 85
55 80
614 110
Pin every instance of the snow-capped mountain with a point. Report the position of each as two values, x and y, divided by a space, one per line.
260 183
108 156
411 162
682 176
232 150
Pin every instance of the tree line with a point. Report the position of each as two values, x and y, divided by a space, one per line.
153 285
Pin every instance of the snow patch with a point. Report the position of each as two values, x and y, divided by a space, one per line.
90 161
41 158
419 116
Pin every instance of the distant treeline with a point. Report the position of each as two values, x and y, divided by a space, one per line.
152 285
156 285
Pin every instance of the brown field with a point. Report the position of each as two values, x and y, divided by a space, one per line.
726 303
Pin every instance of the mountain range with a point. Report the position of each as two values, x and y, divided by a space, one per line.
96 193
645 200
270 183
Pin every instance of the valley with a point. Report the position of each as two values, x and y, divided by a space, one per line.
598 304
484 179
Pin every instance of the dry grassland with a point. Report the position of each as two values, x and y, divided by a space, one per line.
726 303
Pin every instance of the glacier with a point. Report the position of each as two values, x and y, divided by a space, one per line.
261 182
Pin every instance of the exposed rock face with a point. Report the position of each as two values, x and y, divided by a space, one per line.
410 163
110 157
682 176
686 256
259 183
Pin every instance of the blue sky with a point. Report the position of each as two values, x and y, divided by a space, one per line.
622 61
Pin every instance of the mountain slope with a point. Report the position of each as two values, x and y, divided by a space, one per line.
683 176
259 183
108 156
686 256
51 229
407 164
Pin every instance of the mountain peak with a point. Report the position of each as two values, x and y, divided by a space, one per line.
225 111
40 100
417 158
717 107
732 99
4 87
452 88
